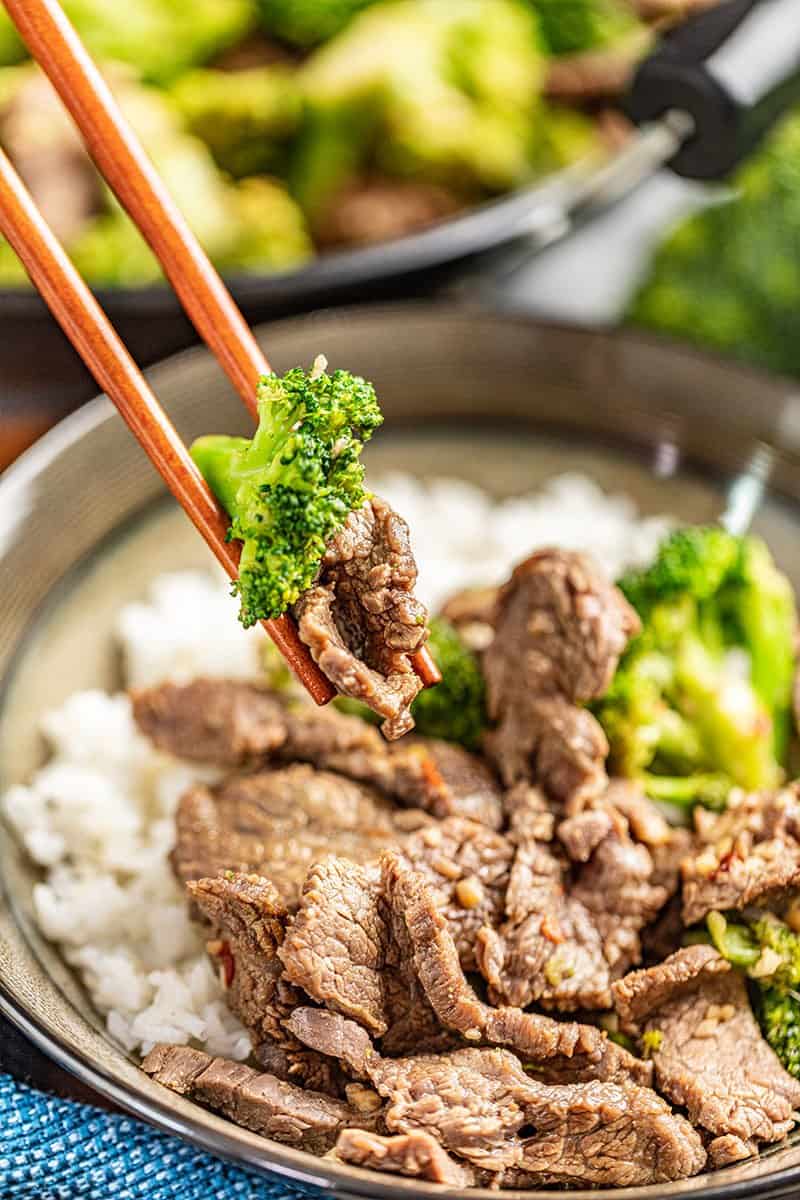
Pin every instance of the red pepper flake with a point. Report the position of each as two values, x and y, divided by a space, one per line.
551 929
725 862
432 775
227 964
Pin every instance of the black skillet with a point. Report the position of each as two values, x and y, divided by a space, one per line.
701 101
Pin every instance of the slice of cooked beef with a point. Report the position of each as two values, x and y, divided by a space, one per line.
710 1057
446 780
414 1027
295 1064
341 950
248 922
336 946
618 888
278 823
349 952
568 621
439 777
230 723
417 1154
748 854
222 721
537 1037
378 208
269 1106
636 815
360 619
727 1149
467 866
608 1135
554 743
554 956
548 949
482 1106
335 1036
560 628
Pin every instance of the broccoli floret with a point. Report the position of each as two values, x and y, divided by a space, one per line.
308 22
570 26
697 560
267 229
290 487
244 117
700 701
160 38
455 710
778 1014
769 951
447 91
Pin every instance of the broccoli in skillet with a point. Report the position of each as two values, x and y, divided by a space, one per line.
244 117
291 487
570 26
701 700
769 951
159 38
445 91
307 22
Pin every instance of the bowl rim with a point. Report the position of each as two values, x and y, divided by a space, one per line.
295 1165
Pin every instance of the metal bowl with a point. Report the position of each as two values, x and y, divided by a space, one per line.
84 524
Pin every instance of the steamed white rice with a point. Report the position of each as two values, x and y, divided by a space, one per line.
98 817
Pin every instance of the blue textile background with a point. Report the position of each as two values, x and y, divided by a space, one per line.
53 1149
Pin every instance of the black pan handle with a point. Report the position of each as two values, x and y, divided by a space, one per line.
733 69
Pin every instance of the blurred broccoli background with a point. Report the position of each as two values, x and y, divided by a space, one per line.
729 277
287 126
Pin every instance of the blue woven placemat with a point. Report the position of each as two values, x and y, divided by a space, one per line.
52 1149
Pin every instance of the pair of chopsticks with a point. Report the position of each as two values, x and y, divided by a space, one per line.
121 160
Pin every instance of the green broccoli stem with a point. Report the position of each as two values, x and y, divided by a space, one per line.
213 455
736 942
684 791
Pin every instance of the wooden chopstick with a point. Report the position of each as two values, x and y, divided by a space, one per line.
93 336
122 161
